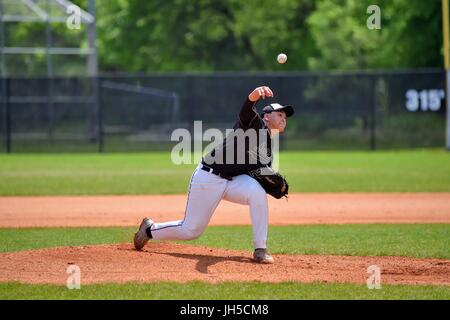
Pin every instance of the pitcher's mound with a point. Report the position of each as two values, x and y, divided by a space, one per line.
161 261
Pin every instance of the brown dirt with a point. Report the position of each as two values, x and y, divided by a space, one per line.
172 262
165 261
302 208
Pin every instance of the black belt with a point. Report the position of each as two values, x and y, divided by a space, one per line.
211 170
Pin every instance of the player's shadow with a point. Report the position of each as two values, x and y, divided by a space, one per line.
204 261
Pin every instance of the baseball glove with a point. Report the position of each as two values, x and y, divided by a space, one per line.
272 182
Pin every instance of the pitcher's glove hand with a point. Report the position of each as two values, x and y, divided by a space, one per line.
272 182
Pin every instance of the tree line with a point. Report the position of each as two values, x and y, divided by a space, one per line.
236 35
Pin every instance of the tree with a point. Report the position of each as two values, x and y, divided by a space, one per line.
217 35
410 35
204 35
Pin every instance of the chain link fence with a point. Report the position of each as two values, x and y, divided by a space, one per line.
347 111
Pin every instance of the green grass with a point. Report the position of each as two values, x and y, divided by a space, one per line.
421 240
154 173
37 238
224 291
413 240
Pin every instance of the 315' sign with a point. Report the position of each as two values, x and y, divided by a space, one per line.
424 100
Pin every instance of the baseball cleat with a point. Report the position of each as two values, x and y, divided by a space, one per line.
140 237
262 256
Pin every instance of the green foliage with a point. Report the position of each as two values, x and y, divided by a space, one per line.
395 130
146 36
34 34
410 35
214 35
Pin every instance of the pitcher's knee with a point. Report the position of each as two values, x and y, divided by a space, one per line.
193 233
256 193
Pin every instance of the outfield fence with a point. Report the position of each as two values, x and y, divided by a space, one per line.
346 111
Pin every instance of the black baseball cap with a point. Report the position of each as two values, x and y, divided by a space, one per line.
289 110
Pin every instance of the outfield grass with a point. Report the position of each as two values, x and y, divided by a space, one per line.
154 173
421 240
223 291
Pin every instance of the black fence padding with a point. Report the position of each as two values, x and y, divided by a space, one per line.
343 111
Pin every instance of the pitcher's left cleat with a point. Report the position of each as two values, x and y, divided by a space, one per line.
140 237
261 255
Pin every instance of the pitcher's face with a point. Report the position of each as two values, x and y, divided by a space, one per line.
276 120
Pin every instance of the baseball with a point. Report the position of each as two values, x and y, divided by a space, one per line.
282 58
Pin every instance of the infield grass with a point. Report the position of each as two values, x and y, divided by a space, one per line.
421 240
223 291
413 240
154 173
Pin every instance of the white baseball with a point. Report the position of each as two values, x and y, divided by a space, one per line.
282 58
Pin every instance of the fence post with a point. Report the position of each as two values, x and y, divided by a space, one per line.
373 122
99 110
50 110
8 115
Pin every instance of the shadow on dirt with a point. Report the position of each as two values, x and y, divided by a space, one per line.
205 261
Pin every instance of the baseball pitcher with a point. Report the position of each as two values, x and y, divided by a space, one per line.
238 170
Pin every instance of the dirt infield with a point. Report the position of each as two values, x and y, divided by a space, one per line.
171 262
301 208
181 263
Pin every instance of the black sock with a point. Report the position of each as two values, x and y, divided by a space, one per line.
149 232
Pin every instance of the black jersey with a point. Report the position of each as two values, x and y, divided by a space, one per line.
247 147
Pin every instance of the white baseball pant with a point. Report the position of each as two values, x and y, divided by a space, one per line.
205 192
